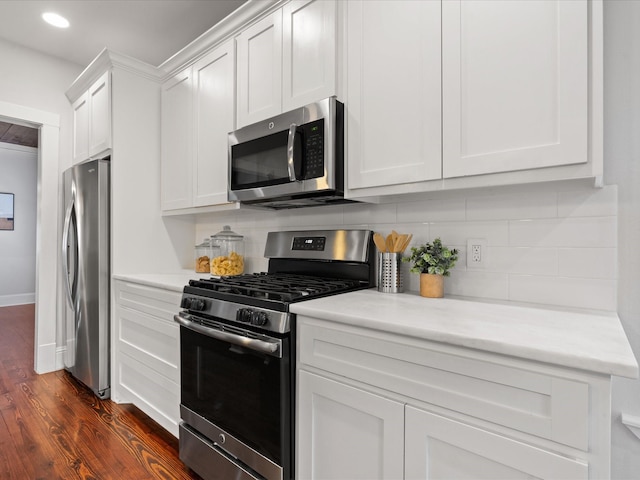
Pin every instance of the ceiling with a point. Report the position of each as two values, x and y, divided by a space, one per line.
18 134
148 30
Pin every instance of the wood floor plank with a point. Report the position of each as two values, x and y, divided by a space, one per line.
53 427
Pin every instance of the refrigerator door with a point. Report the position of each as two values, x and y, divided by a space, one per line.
86 266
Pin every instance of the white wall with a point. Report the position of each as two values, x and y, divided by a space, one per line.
18 175
32 80
622 167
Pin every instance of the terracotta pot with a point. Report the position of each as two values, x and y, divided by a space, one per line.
431 286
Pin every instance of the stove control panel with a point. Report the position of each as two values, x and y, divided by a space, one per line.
309 243
254 317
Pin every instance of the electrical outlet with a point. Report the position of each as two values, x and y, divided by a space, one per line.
476 252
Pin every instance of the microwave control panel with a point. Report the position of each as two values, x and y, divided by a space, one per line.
313 138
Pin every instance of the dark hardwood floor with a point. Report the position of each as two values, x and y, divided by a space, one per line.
52 427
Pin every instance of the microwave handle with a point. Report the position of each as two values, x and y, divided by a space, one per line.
291 161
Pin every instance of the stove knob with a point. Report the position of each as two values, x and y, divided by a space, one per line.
243 315
185 303
259 318
197 304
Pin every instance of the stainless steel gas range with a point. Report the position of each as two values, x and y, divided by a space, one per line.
237 352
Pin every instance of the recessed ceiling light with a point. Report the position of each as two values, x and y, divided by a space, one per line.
55 20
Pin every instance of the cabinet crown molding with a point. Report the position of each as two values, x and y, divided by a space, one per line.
106 60
229 26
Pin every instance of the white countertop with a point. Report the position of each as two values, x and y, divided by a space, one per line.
584 340
168 281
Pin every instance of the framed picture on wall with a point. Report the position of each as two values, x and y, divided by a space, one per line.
6 211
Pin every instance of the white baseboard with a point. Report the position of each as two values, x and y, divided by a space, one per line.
46 360
19 299
60 351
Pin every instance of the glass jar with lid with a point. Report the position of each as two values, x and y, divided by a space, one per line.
229 260
202 256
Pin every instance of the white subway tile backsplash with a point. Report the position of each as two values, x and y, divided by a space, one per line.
523 260
564 232
507 207
364 214
457 233
545 247
598 294
599 202
588 262
478 284
452 209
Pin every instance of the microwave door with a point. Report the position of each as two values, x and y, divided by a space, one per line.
260 163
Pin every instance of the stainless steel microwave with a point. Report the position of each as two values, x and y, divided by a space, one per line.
295 159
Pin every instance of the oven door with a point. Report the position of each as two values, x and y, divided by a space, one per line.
236 395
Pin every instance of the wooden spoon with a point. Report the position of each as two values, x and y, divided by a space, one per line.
405 243
400 239
379 241
389 243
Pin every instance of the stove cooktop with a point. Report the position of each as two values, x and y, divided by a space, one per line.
277 287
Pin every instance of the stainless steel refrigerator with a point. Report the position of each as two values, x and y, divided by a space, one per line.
85 265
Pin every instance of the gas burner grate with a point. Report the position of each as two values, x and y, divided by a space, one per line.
274 286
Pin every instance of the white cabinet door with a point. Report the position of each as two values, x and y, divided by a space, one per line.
100 115
214 89
347 433
177 142
393 92
515 85
81 128
441 448
308 51
260 70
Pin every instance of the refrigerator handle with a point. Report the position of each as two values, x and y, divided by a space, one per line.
65 254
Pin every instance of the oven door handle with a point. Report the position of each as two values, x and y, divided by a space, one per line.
272 348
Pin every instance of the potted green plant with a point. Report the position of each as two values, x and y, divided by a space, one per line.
432 261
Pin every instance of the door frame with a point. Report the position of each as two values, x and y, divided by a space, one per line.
47 228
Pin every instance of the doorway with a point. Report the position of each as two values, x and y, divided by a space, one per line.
46 306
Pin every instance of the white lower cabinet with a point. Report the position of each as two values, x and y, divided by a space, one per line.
375 405
146 352
351 433
441 448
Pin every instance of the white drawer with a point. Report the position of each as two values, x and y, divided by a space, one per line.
543 405
153 301
150 340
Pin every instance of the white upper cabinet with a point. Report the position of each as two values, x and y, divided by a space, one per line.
81 128
92 120
515 85
197 115
308 52
286 60
100 116
460 93
214 95
177 142
260 70
393 92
